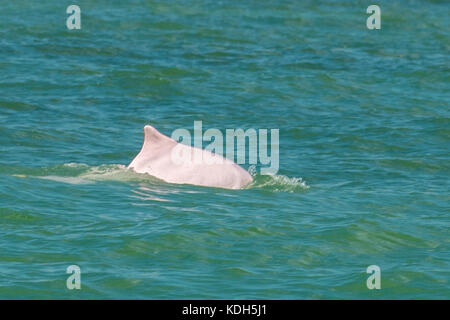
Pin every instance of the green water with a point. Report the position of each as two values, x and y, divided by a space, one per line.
364 149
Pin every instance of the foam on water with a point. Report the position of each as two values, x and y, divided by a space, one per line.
279 183
80 173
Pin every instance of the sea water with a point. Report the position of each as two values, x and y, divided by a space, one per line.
363 119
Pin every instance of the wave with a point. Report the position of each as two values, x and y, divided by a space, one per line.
79 173
277 183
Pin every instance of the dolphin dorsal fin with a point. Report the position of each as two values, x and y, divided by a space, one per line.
153 136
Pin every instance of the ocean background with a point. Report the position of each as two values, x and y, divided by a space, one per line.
364 149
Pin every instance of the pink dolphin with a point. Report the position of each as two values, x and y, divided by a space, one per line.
174 162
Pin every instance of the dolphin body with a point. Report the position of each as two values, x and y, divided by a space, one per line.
174 162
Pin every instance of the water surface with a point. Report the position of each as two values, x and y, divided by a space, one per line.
364 149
